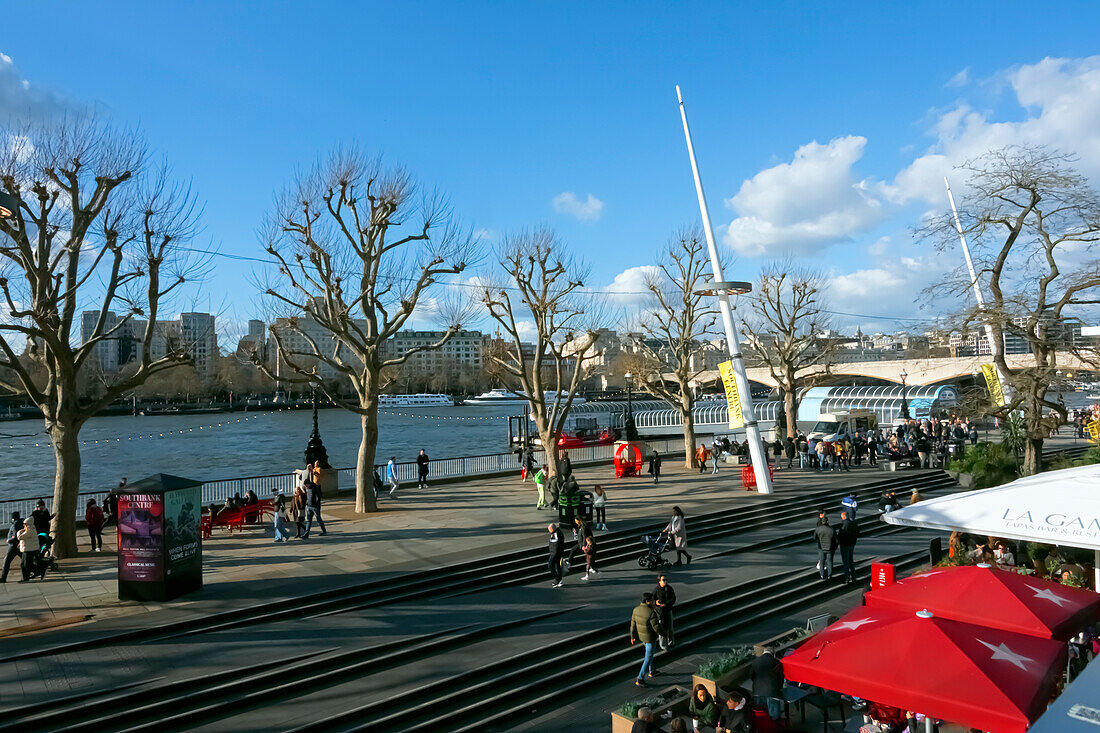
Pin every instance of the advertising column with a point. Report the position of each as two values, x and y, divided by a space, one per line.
140 537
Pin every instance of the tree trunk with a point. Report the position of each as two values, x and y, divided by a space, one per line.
1033 455
687 416
66 486
550 449
365 500
790 410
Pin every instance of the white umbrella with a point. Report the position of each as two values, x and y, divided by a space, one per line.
1056 508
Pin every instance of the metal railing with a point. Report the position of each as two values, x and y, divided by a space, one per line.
216 492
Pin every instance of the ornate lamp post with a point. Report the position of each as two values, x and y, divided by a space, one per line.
904 402
315 449
628 417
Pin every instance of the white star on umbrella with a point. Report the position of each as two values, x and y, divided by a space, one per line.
1048 595
1003 653
853 625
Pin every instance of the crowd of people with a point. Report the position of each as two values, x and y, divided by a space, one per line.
29 540
302 508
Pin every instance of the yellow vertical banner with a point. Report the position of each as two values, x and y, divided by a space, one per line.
993 382
1093 431
733 397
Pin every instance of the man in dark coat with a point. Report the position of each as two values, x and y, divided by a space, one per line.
665 598
824 539
767 683
557 551
422 462
655 466
846 535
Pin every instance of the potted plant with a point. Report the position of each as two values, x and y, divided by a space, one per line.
672 699
724 671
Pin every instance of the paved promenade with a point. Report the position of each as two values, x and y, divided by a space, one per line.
414 530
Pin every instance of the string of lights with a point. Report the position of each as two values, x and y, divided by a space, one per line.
154 435
586 291
159 434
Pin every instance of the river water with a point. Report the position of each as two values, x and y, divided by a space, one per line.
208 447
231 445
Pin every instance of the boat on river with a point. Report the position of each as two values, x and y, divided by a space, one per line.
504 397
415 400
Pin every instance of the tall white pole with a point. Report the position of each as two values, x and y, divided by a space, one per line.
970 267
752 430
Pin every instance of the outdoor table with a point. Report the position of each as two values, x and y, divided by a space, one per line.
797 695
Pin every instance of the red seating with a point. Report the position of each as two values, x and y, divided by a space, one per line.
207 527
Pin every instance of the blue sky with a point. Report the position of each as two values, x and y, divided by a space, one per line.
506 106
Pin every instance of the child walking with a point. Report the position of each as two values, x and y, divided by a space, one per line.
540 484
598 502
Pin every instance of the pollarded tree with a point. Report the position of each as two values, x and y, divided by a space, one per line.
543 301
787 328
359 249
94 231
1032 223
673 323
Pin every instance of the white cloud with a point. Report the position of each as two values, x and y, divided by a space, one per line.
526 330
569 203
805 205
960 79
21 101
1061 98
629 287
879 247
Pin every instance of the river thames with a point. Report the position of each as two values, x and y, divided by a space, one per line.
265 443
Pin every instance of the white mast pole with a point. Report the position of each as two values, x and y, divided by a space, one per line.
752 430
970 267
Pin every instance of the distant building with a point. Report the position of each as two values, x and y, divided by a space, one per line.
193 331
254 342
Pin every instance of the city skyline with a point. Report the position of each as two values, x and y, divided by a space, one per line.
838 191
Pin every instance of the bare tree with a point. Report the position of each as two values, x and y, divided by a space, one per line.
93 229
1031 222
359 249
786 327
546 297
672 325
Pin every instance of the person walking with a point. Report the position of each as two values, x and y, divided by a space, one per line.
849 504
13 544
279 505
701 455
28 548
313 508
646 629
298 510
391 475
824 539
677 528
655 466
557 550
582 533
94 521
110 505
790 449
599 507
422 461
540 485
664 597
846 535
589 550
565 466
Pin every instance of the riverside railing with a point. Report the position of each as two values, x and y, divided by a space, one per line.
453 469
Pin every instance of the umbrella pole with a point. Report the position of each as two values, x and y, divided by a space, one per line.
928 726
1096 570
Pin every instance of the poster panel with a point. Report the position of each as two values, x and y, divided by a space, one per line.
733 397
140 533
182 508
993 382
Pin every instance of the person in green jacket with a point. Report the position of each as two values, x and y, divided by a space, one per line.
540 484
702 708
645 628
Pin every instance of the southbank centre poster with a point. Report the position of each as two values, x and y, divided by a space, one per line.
140 534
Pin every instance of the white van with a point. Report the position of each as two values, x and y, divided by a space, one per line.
830 425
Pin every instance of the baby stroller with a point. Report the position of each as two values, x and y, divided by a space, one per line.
656 546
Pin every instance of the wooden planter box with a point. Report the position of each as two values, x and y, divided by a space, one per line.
739 674
677 704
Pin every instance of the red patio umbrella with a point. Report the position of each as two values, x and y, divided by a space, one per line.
986 678
987 596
